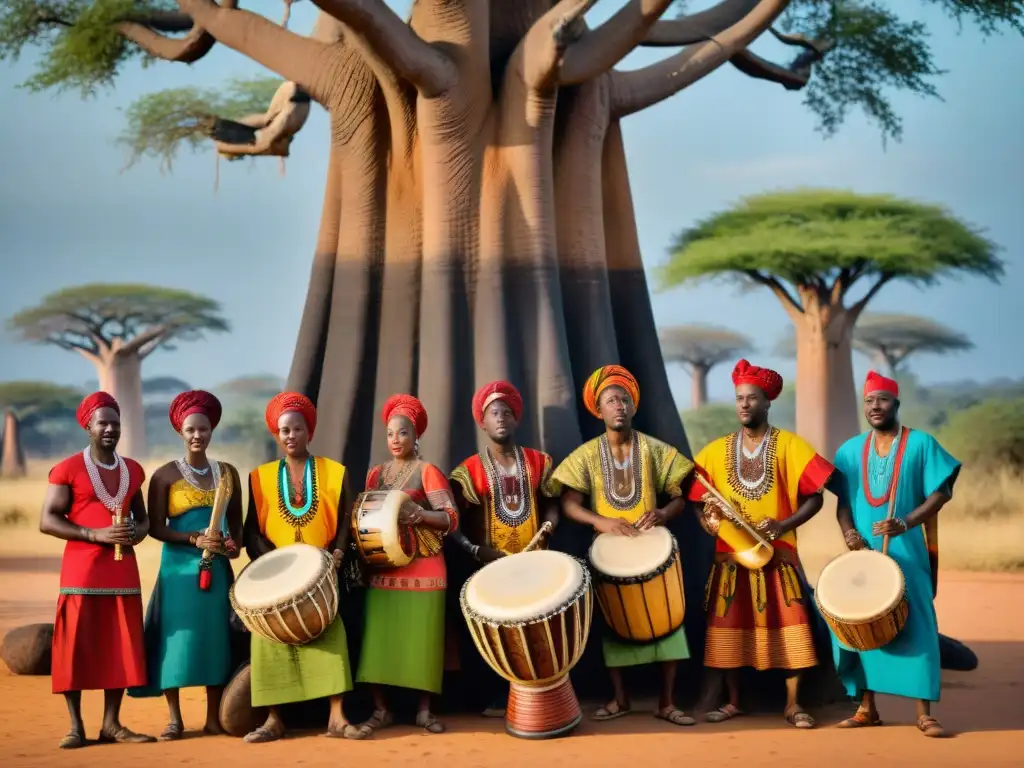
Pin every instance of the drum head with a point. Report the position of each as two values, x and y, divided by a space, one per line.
624 556
524 586
859 585
278 576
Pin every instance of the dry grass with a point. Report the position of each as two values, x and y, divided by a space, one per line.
982 528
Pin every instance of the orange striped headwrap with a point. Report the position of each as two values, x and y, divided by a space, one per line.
609 376
293 402
409 407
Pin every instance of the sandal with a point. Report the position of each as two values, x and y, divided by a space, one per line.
930 727
124 736
429 723
674 716
800 719
862 718
262 735
172 732
380 718
72 740
611 711
720 715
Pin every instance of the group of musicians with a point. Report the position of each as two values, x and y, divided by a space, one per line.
889 481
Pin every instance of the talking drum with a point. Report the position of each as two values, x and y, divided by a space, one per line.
639 583
381 540
862 596
289 595
529 615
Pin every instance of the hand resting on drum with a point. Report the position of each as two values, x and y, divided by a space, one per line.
338 556
411 514
651 518
893 527
616 525
489 554
854 540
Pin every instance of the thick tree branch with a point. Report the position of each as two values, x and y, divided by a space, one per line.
642 88
157 334
540 51
146 33
797 74
600 50
412 59
789 303
857 308
698 27
294 57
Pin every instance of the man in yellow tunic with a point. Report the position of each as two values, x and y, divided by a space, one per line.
622 473
758 617
301 498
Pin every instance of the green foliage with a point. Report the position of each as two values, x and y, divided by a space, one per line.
160 123
74 318
702 344
877 52
809 237
27 397
82 49
259 385
708 423
988 435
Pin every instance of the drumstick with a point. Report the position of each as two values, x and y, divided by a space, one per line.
118 552
546 528
220 504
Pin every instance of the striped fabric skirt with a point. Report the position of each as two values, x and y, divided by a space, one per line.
758 618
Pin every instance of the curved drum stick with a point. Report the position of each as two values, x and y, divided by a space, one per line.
544 529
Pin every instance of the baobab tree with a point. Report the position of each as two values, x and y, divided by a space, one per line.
115 327
24 404
888 340
12 455
699 348
826 254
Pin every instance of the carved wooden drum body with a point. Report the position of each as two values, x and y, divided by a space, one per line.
529 615
639 583
289 595
381 540
862 595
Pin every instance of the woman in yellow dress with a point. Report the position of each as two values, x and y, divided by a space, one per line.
300 498
623 473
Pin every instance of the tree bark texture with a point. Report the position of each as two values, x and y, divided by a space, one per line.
120 374
12 456
698 384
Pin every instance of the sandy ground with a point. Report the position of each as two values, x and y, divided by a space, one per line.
983 707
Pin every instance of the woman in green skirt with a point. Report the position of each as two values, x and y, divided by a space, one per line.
188 641
403 636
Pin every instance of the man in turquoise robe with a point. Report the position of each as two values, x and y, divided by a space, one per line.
888 459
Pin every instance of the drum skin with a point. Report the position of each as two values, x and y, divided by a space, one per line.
871 633
299 619
646 607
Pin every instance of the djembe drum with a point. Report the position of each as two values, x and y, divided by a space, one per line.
639 583
383 542
862 595
529 616
289 595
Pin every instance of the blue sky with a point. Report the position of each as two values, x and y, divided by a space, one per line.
68 215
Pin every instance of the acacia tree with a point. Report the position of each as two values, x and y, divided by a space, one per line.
115 327
889 339
23 403
825 254
477 220
699 348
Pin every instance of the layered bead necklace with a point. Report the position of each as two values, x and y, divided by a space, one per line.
113 503
290 499
192 474
511 499
750 465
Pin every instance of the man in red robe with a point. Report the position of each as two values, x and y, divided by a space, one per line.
502 491
97 634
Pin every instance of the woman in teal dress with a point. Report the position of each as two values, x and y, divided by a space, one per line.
891 459
188 641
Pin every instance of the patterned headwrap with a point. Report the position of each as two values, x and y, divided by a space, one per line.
93 403
408 406
765 379
194 401
291 401
609 376
876 382
497 390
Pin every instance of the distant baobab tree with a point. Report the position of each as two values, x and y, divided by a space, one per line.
699 348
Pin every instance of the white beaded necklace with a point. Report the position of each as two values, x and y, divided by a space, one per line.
191 474
114 503
757 453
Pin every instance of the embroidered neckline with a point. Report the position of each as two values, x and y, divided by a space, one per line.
622 503
733 455
511 518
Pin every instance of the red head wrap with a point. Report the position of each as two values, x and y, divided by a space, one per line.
93 403
497 390
291 402
765 379
408 406
194 401
876 382
609 376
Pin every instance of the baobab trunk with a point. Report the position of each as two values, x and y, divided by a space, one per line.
12 457
698 385
120 374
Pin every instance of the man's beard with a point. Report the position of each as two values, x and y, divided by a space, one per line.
509 438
